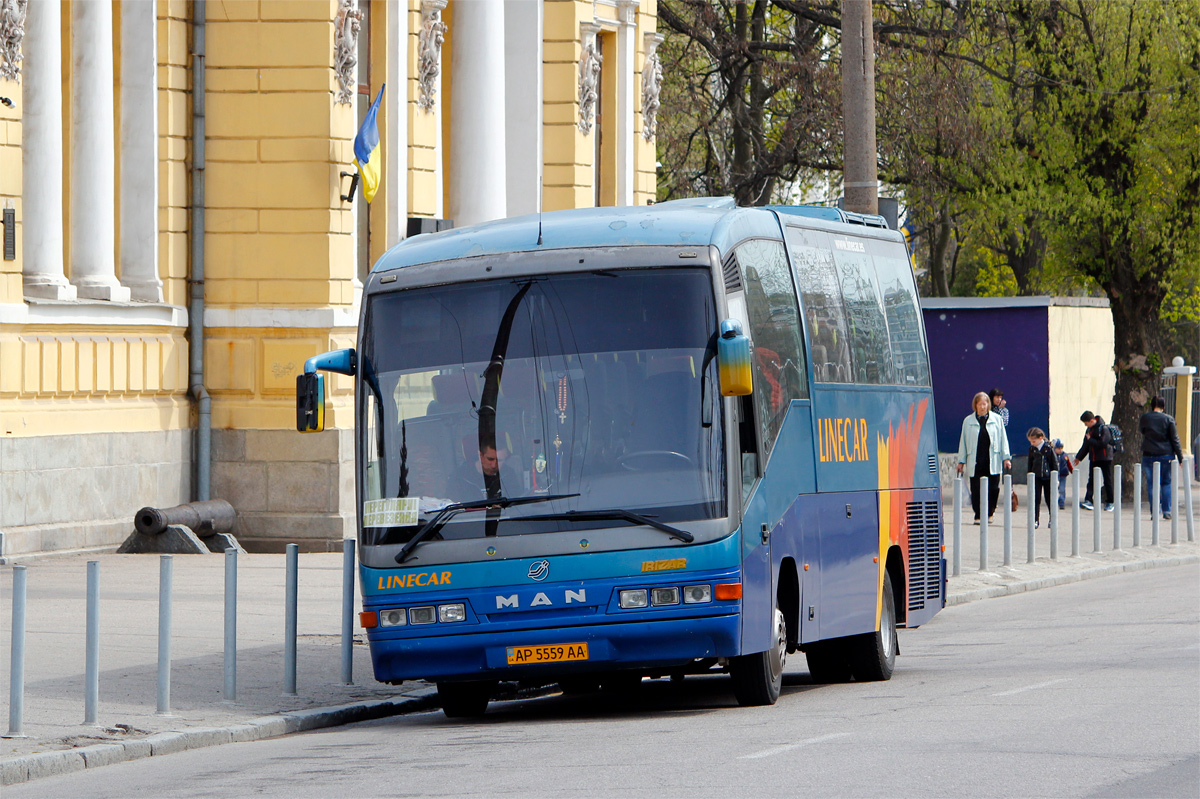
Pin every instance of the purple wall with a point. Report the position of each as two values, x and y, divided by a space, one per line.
978 349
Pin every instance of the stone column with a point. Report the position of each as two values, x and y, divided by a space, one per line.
477 137
523 74
139 151
626 52
42 154
93 168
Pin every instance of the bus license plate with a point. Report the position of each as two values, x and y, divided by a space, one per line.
552 653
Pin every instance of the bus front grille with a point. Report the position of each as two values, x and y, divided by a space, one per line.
924 554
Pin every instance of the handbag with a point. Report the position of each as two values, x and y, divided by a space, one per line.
1014 499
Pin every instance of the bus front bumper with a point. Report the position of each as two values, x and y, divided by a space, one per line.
614 646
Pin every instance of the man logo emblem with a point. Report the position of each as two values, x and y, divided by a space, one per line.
539 570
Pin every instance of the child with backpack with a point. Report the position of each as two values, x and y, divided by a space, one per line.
1064 471
1043 463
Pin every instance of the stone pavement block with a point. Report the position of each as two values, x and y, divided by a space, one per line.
199 738
14 771
47 764
103 755
167 743
135 750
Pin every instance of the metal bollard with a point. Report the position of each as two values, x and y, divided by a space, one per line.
1155 501
1172 504
1116 491
1098 506
91 669
348 611
1006 492
16 673
166 569
1030 515
1137 505
1075 513
292 569
1054 516
957 557
984 507
1187 497
231 625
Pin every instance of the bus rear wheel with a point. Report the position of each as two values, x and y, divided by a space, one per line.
464 700
873 656
758 678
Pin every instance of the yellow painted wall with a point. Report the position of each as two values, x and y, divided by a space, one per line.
174 135
1081 343
88 380
567 175
10 183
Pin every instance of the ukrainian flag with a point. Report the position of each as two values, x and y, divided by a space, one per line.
368 156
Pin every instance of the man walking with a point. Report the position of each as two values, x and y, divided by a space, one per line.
1160 443
1097 446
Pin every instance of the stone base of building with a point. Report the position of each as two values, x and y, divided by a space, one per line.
81 491
287 487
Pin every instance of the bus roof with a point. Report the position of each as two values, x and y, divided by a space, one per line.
694 222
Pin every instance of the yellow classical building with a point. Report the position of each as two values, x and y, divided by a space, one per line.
178 236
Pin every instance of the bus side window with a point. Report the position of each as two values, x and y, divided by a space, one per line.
903 311
779 364
812 260
868 331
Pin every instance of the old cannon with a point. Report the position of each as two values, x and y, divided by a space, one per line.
205 526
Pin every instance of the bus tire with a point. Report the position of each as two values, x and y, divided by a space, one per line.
873 655
464 700
758 678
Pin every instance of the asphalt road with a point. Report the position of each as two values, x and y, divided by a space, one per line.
1090 689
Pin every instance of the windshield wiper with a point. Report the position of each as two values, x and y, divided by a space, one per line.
611 514
445 514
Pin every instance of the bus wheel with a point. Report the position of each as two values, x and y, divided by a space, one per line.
464 700
873 656
758 678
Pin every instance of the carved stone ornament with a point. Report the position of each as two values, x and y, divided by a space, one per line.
12 31
589 79
652 75
429 52
345 49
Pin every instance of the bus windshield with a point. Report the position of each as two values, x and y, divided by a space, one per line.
599 385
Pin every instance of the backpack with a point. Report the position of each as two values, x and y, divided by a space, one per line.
1113 438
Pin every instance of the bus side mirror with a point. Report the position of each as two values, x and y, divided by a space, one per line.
733 358
310 387
310 402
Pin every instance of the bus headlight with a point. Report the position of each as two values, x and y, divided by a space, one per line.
456 612
426 614
395 617
695 594
664 596
633 598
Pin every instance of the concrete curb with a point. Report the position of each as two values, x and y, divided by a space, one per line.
46 764
1020 587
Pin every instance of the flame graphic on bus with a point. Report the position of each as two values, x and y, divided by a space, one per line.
897 460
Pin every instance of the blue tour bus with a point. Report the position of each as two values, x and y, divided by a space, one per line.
599 444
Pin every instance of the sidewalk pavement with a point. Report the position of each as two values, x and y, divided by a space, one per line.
129 727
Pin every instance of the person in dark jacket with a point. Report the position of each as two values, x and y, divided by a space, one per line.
1160 444
1097 447
1064 471
1042 463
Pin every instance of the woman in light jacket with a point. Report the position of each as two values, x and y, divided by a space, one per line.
983 449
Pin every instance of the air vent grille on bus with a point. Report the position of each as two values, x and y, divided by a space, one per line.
924 554
933 463
733 277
